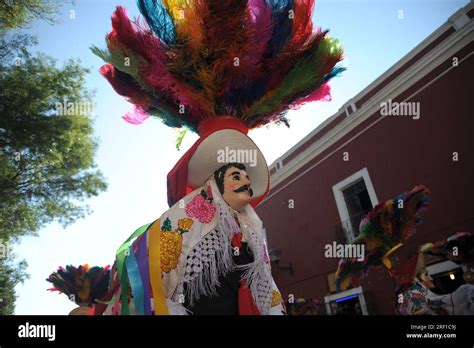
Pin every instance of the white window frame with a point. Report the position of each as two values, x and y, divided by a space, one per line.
341 203
355 291
279 164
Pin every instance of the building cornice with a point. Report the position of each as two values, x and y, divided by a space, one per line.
417 71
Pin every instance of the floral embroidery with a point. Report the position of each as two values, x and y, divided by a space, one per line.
209 193
201 207
166 225
184 225
171 247
171 243
276 298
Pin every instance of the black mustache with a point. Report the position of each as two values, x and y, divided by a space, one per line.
244 188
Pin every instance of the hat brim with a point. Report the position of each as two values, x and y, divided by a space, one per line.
227 146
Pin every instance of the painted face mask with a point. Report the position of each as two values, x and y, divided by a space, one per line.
237 188
426 279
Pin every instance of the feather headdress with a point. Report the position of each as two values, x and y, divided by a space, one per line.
83 284
194 59
458 248
382 231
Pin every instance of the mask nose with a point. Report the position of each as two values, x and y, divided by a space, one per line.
246 181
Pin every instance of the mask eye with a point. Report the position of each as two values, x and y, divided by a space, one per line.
236 177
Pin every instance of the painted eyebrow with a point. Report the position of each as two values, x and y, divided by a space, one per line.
234 173
238 173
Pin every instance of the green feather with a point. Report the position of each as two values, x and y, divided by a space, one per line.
306 75
180 138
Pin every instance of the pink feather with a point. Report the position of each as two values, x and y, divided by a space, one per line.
135 117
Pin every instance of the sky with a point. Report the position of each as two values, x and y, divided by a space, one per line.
135 160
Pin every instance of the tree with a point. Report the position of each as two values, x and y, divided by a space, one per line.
11 273
47 157
15 13
47 149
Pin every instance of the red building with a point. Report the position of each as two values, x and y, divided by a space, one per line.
413 125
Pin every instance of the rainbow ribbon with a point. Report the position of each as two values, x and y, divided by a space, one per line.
120 262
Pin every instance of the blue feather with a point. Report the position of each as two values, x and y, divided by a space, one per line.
158 19
334 72
281 32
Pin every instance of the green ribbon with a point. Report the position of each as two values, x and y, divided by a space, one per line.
121 256
136 282
110 302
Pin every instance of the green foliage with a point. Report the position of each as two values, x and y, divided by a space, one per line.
47 158
47 153
20 13
10 48
11 273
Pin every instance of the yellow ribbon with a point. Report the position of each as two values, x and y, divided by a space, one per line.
154 260
386 261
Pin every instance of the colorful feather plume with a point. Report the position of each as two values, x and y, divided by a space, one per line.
383 230
458 248
190 60
83 284
302 306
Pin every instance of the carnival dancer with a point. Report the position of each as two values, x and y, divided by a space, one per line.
458 248
384 230
83 285
218 68
414 294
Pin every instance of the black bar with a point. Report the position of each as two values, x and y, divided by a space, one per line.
286 330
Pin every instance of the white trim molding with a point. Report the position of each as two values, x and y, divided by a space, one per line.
341 203
442 267
460 18
418 70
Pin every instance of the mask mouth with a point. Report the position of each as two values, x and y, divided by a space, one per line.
245 188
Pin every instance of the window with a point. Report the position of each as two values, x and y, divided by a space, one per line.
358 203
355 196
349 302
447 276
279 164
